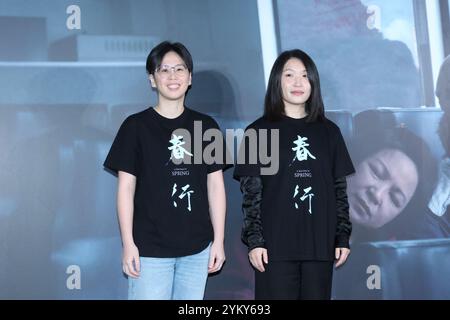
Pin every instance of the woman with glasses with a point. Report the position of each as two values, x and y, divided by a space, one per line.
171 208
296 221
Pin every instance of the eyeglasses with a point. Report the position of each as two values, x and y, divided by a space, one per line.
179 70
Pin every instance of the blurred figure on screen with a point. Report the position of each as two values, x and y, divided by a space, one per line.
436 223
394 178
443 87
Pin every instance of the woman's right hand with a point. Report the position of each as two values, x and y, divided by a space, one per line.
258 257
131 265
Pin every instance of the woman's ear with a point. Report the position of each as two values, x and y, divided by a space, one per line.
190 78
152 80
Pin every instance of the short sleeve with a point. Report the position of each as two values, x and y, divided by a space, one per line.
342 163
247 162
224 162
124 151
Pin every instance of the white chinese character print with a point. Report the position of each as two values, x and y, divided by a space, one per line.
182 195
301 152
302 198
177 150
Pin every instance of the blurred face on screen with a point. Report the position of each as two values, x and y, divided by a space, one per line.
383 185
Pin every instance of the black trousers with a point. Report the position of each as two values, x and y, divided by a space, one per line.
294 280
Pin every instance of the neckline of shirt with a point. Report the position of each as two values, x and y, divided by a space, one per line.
294 120
169 120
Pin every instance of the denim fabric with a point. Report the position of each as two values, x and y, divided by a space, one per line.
182 278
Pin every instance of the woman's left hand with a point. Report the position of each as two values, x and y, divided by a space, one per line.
216 257
341 255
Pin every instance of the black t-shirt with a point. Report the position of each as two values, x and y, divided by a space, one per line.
171 210
298 208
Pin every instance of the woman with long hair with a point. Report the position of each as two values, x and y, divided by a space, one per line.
296 221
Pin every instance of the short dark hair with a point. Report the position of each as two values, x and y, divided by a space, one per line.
376 130
157 54
273 103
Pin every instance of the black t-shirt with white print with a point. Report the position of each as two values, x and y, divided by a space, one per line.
298 208
171 210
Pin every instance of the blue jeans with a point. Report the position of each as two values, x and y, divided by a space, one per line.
182 278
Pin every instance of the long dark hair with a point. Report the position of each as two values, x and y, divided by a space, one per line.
273 103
